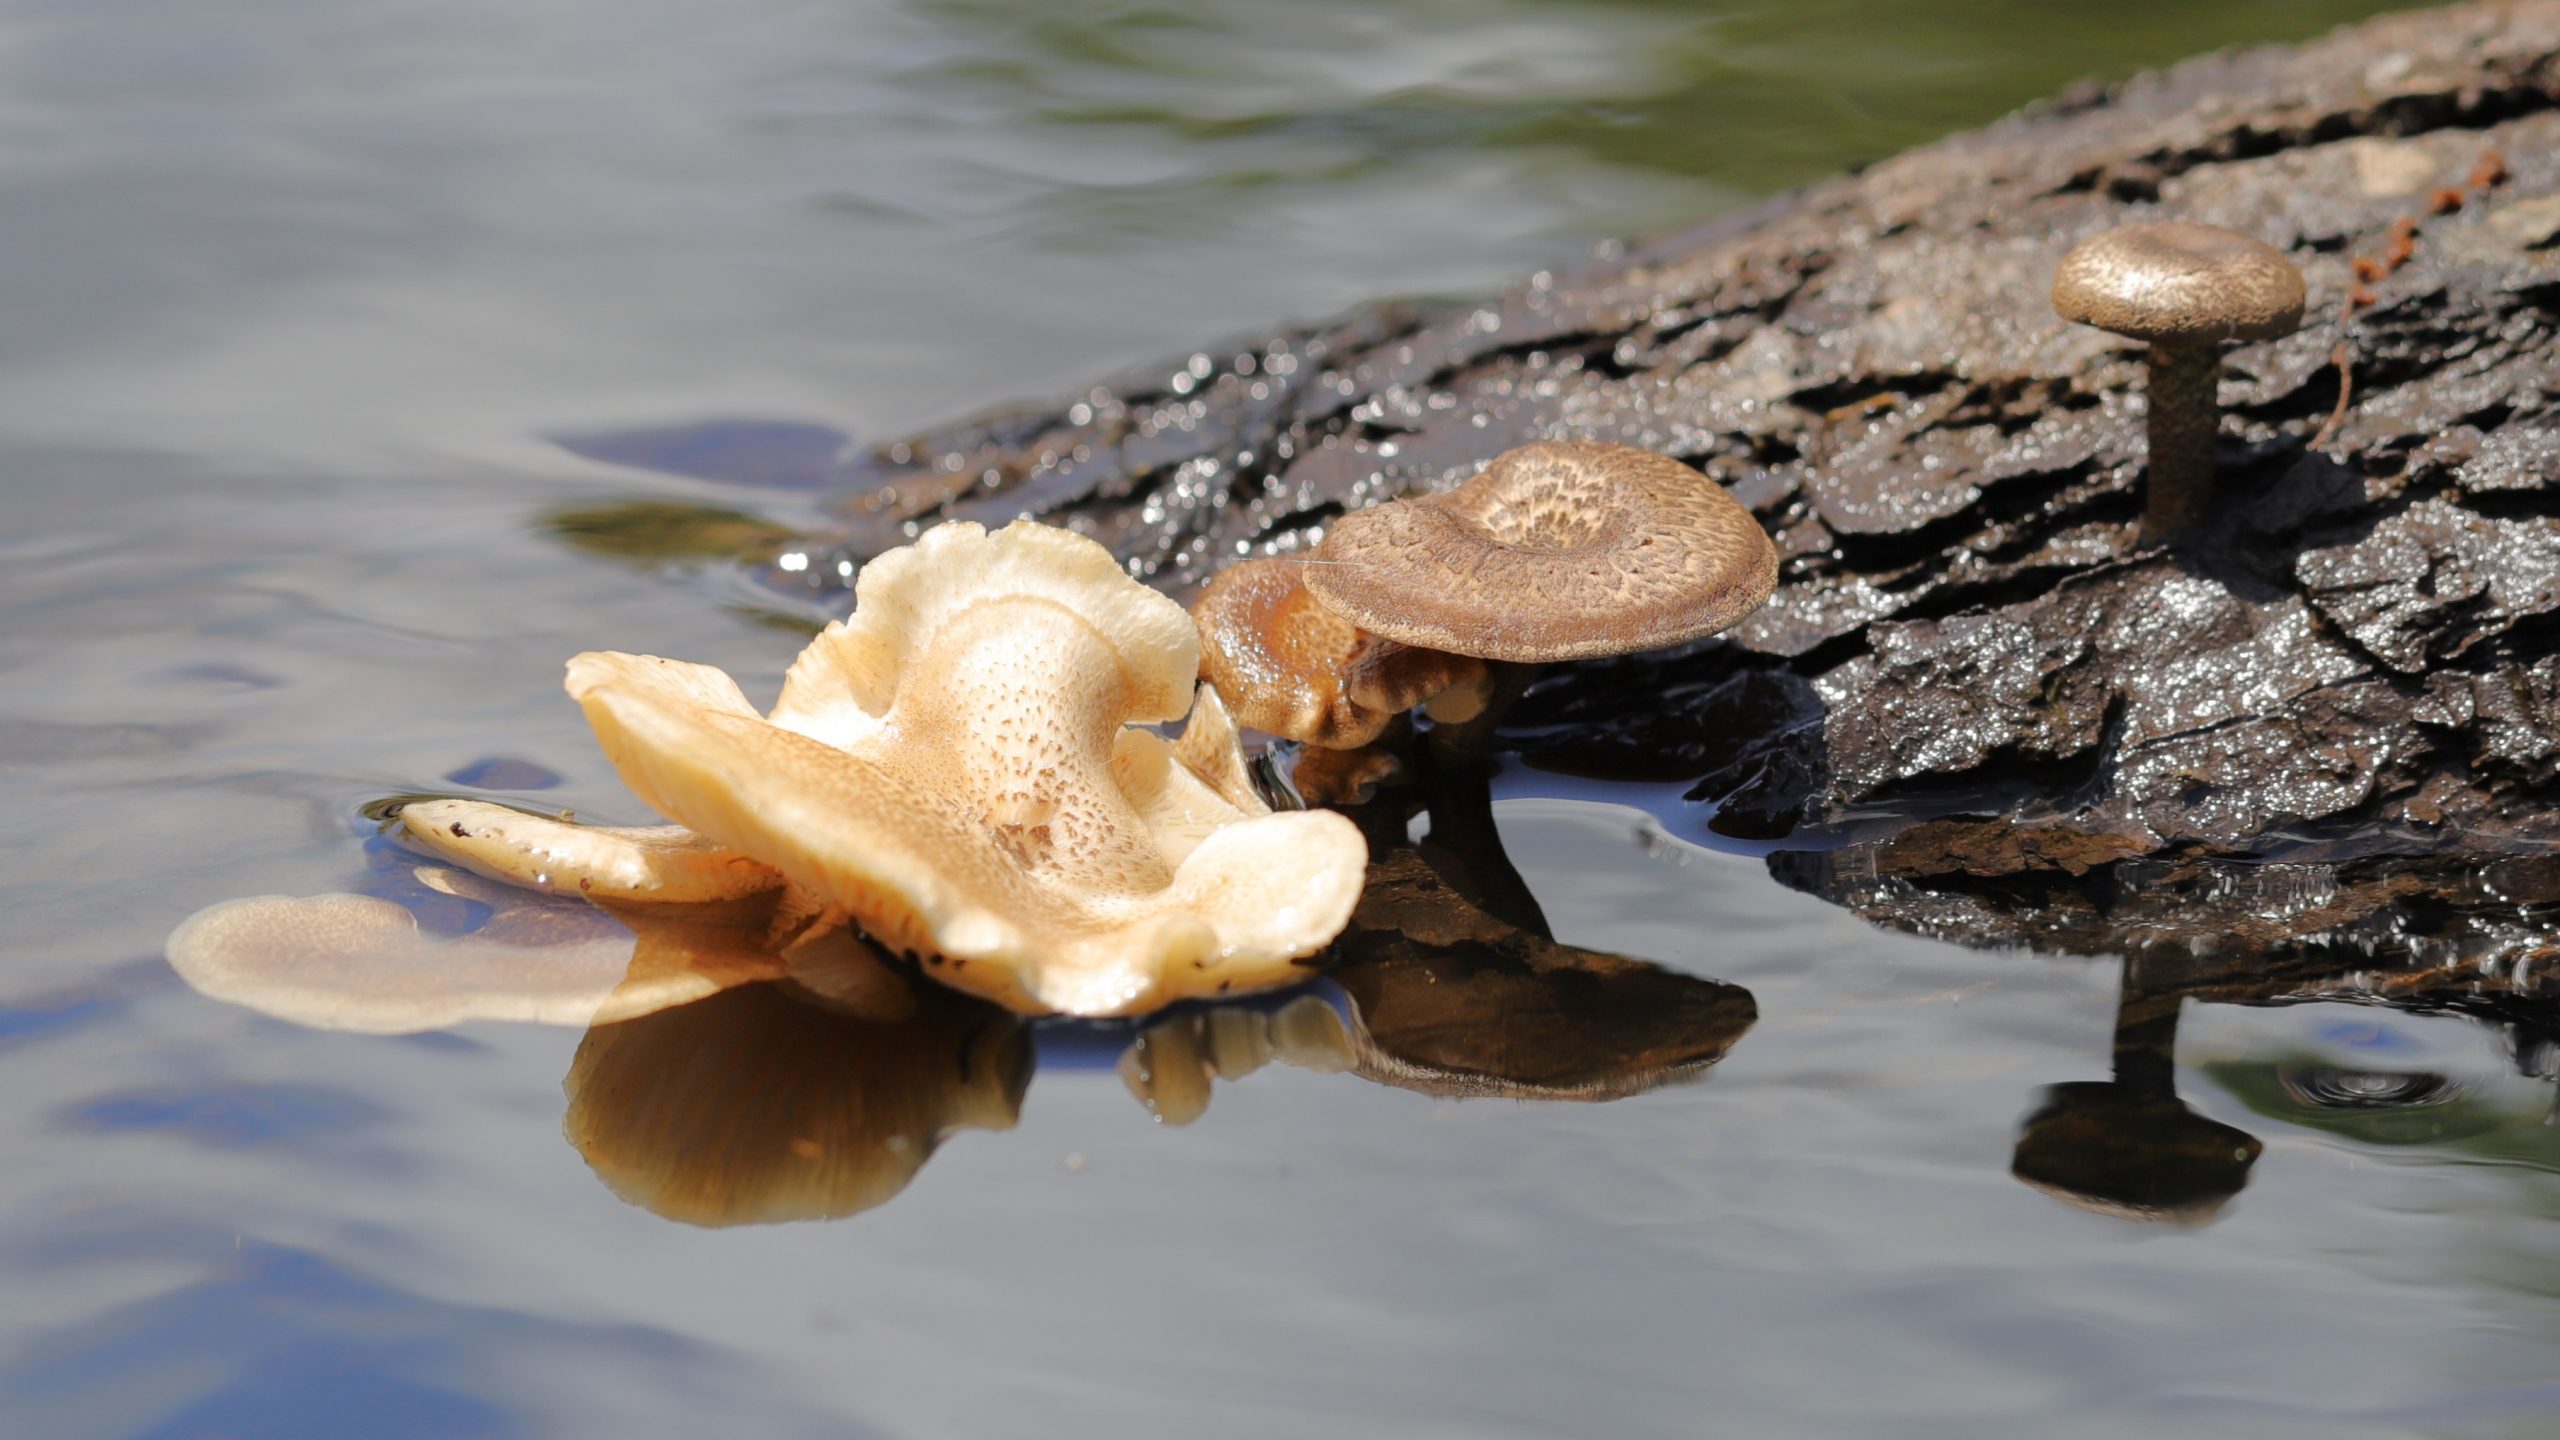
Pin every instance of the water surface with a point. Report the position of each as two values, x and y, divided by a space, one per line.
296 291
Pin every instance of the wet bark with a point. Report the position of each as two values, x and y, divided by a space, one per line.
1973 674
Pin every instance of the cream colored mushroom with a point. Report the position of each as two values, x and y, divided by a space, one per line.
661 864
357 962
953 768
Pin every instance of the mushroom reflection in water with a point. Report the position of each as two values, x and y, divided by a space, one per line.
1445 998
724 1080
2128 1147
769 1103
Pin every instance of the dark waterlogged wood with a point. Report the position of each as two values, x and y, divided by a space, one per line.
1973 684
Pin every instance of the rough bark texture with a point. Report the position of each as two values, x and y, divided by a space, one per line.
1971 673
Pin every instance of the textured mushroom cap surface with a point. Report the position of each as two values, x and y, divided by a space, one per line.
2173 281
951 768
1286 664
1560 550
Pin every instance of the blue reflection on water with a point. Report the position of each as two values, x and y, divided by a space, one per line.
281 1344
233 1117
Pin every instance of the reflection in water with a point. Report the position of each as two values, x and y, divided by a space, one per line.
2418 934
767 1103
2128 1146
726 1079
1452 1001
659 531
2352 1078
2316 1086
1454 985
1170 1065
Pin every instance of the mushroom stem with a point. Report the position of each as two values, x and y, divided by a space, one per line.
1506 681
2185 418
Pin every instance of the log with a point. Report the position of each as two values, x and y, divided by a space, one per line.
1977 705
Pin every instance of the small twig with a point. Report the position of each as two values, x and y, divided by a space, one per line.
2401 245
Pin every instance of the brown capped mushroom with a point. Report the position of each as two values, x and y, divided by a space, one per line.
1286 664
1560 550
2188 290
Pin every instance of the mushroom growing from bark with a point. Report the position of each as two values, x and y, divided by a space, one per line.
1286 664
2187 290
1561 550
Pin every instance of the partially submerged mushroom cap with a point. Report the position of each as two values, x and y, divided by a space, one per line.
952 769
1287 664
359 962
2174 281
1560 550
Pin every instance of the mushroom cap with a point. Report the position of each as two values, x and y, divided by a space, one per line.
1561 550
2174 281
952 768
359 962
1290 666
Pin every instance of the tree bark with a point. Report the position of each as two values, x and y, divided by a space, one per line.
1973 675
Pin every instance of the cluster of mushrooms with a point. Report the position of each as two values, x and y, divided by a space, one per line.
1555 551
960 770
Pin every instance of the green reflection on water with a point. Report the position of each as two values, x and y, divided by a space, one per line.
657 531
1747 98
2412 1108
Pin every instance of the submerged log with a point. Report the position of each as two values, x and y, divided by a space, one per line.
1972 670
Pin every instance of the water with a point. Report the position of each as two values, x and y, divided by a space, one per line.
294 294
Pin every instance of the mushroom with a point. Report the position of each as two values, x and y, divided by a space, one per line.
1288 665
2188 290
954 769
1560 550
361 963
664 864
